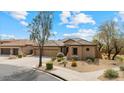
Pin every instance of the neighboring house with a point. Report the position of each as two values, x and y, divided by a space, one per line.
69 47
15 47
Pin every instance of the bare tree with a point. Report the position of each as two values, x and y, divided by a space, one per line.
97 40
108 31
118 44
40 30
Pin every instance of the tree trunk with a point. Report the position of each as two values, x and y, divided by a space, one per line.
109 57
117 52
40 56
109 54
114 56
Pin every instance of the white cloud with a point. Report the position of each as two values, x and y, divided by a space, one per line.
64 16
24 23
75 12
73 19
55 33
115 19
71 26
82 18
7 36
20 16
121 15
82 33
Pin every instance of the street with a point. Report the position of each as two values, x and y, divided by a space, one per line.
22 70
15 73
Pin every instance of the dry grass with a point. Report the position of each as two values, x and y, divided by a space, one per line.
83 66
120 78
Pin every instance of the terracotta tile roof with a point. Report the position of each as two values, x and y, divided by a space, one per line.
53 43
23 42
82 41
79 41
20 42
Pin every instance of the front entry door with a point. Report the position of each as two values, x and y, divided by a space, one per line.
65 50
15 51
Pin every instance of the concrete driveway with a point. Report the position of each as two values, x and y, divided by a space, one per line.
21 70
25 61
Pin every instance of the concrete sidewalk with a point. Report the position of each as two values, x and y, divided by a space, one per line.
72 75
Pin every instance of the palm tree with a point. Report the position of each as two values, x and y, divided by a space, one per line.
40 30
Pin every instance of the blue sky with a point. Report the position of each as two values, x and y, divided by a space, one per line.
81 24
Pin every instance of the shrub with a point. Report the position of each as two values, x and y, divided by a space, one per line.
111 73
75 57
60 55
122 68
59 59
19 56
90 59
121 59
49 65
74 64
65 63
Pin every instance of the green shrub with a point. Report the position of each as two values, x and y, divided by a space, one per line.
19 56
121 59
65 63
75 57
74 64
111 73
90 59
60 55
59 59
49 65
122 68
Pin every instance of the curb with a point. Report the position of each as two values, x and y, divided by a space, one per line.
51 74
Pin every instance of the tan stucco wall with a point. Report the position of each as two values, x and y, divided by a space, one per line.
90 53
70 52
26 50
51 51
82 53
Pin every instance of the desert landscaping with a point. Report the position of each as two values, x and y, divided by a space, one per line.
96 57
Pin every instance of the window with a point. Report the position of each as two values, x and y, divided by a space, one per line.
87 49
74 51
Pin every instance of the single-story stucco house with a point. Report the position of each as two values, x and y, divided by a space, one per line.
69 47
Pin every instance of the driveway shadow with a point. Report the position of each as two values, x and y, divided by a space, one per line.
15 73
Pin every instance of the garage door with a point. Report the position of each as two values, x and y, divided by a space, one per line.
5 51
50 53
